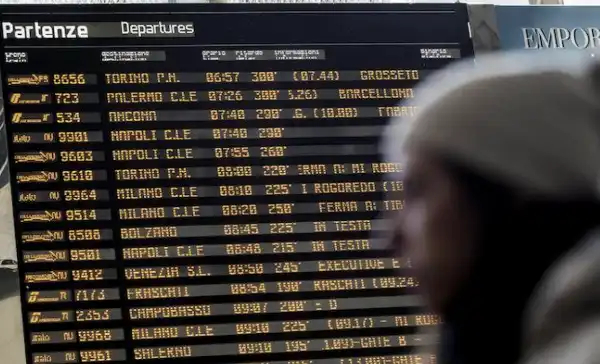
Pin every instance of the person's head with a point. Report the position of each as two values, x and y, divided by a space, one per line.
500 172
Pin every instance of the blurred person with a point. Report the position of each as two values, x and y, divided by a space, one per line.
501 215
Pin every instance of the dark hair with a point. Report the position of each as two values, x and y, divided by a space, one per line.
519 240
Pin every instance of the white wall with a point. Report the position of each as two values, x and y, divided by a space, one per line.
581 2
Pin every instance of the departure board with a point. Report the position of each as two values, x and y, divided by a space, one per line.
202 184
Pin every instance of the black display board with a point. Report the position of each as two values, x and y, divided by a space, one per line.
200 183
